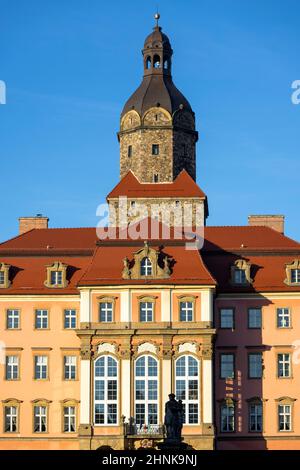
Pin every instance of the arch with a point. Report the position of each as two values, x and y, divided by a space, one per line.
106 377
148 62
146 391
130 120
157 61
187 386
157 116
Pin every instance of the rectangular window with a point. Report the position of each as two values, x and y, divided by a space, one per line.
227 318
70 319
227 366
155 149
69 419
56 278
12 368
186 311
40 419
254 318
146 311
2 278
129 151
227 418
295 276
283 318
11 419
70 363
255 417
106 312
40 367
41 319
240 276
284 365
13 319
285 417
255 365
155 178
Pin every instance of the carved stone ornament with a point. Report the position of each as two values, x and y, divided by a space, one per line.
147 347
132 270
106 347
288 269
187 347
4 270
243 265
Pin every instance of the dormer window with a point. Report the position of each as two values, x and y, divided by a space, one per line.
146 267
4 276
240 273
56 275
293 273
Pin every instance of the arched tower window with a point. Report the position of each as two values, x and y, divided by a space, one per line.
157 62
146 267
146 391
187 387
106 391
148 63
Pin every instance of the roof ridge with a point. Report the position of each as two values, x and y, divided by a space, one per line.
17 236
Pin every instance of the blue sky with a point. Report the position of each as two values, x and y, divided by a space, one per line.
69 67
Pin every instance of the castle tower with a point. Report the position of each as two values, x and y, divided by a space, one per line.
157 133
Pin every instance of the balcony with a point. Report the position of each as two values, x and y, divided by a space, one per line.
133 430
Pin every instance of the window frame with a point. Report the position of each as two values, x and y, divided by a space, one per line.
17 364
255 402
220 365
187 378
11 310
155 150
249 368
261 318
147 378
284 315
68 406
228 405
35 365
106 378
289 362
41 405
65 366
233 318
41 310
187 300
11 404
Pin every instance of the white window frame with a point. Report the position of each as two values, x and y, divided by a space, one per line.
146 378
283 318
255 416
41 315
146 308
2 278
70 364
108 309
285 412
69 315
186 310
297 276
40 364
10 413
40 412
69 416
56 278
106 402
285 363
187 378
12 367
146 267
13 315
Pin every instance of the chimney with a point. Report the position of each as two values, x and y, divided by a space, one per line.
276 222
29 223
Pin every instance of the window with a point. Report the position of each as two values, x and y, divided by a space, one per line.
240 276
40 367
254 318
12 368
155 149
70 319
156 62
283 318
146 267
146 311
13 319
56 278
155 178
285 417
41 319
295 276
129 151
106 312
40 419
227 417
2 278
146 391
227 366
284 365
187 387
11 419
148 63
255 417
186 312
69 419
255 365
70 363
106 391
227 318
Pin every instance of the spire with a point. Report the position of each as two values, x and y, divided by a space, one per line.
157 18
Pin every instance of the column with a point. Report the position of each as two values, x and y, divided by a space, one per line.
207 305
85 308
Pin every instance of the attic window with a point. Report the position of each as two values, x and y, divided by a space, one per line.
4 276
240 273
146 267
293 273
239 276
295 276
56 275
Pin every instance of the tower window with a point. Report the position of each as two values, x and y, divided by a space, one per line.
148 63
156 62
166 64
129 151
155 149
155 178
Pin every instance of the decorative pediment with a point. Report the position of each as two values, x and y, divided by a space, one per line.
147 347
4 276
56 275
147 263
289 267
187 347
241 273
107 348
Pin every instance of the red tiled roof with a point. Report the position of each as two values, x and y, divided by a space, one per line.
183 186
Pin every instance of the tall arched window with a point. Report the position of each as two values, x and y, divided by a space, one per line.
146 267
156 62
146 391
148 63
106 391
187 387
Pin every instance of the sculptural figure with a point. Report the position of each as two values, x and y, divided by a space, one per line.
173 418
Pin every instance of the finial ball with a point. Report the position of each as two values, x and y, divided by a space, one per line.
157 16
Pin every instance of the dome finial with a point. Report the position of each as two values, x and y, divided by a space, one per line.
157 17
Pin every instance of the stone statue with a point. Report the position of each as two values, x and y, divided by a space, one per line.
174 417
126 271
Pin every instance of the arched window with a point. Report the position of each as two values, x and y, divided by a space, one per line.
146 391
146 267
106 391
156 62
187 387
166 64
148 63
